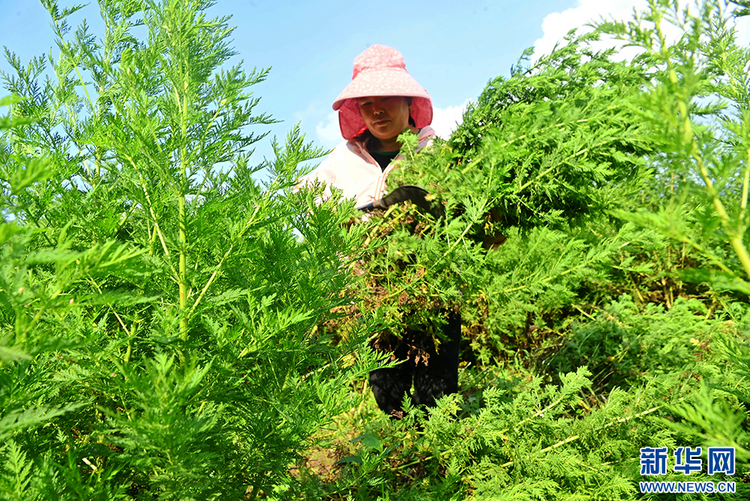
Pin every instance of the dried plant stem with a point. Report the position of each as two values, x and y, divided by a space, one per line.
576 437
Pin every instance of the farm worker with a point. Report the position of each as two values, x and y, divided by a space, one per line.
382 101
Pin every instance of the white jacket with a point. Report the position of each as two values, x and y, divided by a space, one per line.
351 168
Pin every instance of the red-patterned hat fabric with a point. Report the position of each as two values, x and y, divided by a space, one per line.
380 71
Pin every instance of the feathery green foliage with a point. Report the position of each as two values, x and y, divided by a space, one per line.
584 165
157 313
176 323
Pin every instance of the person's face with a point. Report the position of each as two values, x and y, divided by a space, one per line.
385 117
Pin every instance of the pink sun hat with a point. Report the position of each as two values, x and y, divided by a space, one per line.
380 71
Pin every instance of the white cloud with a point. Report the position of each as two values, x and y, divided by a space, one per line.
743 31
327 131
557 24
445 120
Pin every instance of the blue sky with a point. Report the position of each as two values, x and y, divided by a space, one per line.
453 48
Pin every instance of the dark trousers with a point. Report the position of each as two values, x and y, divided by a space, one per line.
434 376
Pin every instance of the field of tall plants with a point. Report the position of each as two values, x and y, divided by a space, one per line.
179 321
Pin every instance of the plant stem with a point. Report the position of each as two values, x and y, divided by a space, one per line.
157 229
745 185
119 320
221 262
182 221
576 437
735 239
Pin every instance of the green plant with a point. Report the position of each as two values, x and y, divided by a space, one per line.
157 310
176 323
697 110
